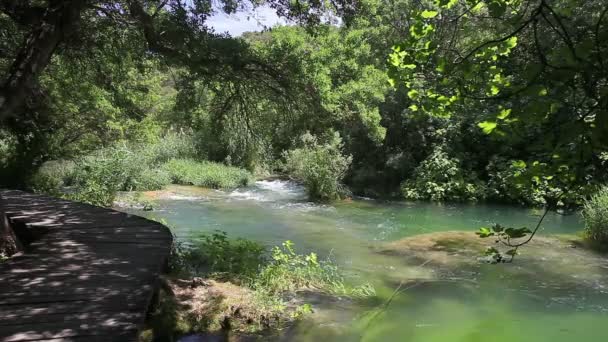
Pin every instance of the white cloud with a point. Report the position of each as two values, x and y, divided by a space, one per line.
244 21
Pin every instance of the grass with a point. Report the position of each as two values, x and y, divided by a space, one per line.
98 177
595 214
206 174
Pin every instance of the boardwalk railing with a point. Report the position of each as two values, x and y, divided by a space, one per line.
85 273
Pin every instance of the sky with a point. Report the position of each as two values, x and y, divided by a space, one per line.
244 21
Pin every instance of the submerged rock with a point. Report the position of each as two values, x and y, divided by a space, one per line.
546 262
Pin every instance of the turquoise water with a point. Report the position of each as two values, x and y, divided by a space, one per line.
560 298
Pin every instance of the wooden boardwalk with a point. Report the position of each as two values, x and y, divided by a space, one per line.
88 275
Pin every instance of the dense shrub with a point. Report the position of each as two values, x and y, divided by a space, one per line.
171 146
513 181
52 176
98 177
235 259
151 179
595 213
320 166
441 178
206 174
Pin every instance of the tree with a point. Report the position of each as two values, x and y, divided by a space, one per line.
173 29
537 69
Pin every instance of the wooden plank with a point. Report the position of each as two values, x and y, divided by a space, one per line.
89 276
66 330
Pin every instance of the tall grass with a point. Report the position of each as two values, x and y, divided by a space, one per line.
97 177
595 213
206 174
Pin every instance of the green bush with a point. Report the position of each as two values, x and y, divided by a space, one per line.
171 146
245 262
441 178
98 177
320 166
206 174
237 260
514 181
288 271
595 213
52 176
151 179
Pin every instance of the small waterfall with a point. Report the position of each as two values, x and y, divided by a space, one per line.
271 191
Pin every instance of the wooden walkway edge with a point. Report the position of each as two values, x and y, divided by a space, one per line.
86 273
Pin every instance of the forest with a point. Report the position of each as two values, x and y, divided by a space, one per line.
497 108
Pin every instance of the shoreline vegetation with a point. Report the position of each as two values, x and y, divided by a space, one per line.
218 284
468 101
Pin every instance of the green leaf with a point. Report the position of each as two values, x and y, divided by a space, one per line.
511 42
484 232
446 3
520 164
412 94
504 114
426 14
487 126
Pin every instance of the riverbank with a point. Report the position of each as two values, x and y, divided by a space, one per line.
456 293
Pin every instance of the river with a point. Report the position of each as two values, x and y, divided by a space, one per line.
559 298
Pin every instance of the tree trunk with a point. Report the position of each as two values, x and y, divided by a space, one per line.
9 244
59 20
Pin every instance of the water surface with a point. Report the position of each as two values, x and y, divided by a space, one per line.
547 302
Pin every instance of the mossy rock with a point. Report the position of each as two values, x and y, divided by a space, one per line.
566 260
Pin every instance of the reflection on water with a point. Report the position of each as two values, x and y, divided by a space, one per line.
558 298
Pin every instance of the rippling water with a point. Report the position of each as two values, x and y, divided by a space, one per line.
561 298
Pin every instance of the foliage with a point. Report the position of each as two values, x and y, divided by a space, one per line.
473 79
97 177
321 166
288 271
595 214
442 178
206 174
506 237
265 283
246 262
151 179
220 257
532 71
52 176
